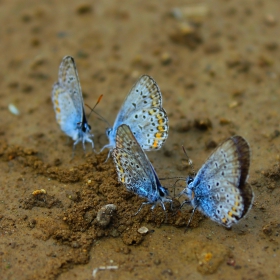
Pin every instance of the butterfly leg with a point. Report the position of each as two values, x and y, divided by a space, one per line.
190 219
174 185
90 141
144 203
74 148
171 203
104 147
163 207
180 194
108 156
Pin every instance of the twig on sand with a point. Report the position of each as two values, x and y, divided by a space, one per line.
109 267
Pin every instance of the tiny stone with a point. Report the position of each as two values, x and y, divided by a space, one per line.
202 124
13 109
267 230
75 244
211 144
224 121
143 230
157 261
166 59
167 272
233 104
84 9
104 215
270 20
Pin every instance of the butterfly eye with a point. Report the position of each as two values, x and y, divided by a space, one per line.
189 180
108 131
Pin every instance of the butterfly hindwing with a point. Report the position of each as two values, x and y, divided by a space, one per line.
219 189
132 164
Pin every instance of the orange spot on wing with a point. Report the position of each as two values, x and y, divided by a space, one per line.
155 144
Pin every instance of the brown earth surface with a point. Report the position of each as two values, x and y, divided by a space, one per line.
217 67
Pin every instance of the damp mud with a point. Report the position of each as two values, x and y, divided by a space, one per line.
67 217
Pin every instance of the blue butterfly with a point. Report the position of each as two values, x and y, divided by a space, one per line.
69 105
142 111
219 189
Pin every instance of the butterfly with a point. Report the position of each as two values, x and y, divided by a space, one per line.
135 170
142 111
69 105
219 189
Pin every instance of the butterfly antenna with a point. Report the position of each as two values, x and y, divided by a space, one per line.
168 178
92 110
174 185
189 161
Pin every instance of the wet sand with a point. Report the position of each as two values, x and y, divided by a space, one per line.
218 72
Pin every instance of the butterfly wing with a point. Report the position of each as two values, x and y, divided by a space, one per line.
133 167
67 98
142 111
220 188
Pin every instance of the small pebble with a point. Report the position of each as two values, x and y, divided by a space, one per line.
84 9
165 59
233 104
267 230
13 109
104 215
202 124
210 144
157 261
270 20
143 230
224 121
195 13
37 192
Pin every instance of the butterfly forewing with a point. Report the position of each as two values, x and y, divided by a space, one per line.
142 111
144 94
68 80
68 103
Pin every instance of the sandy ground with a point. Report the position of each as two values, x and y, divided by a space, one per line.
216 64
